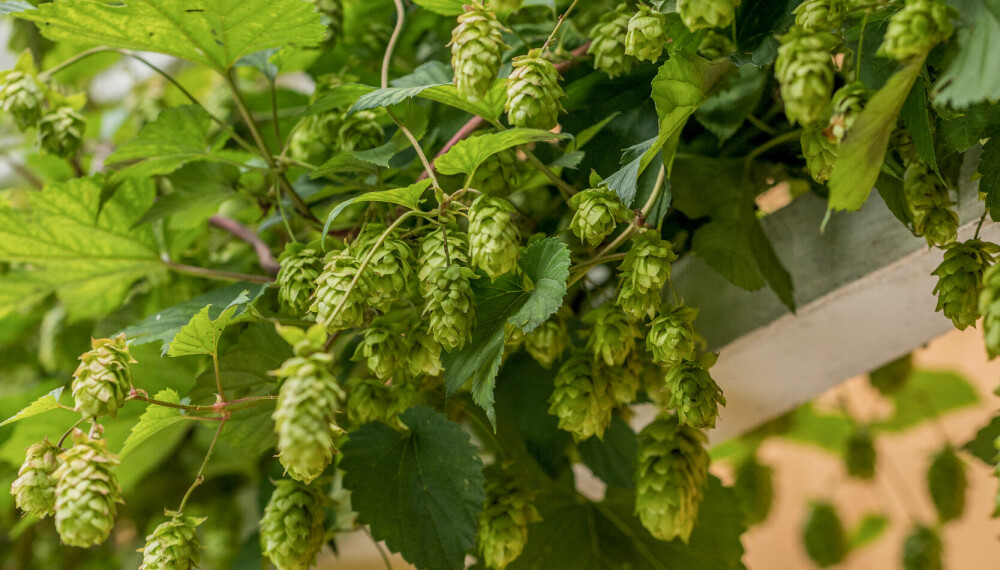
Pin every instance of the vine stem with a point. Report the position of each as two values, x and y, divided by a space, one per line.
776 141
240 403
69 431
218 274
264 256
559 23
200 477
980 226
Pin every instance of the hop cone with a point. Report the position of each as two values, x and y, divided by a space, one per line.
890 377
647 34
60 131
434 254
22 97
333 286
922 550
388 272
820 15
291 531
947 483
450 304
848 102
820 153
316 136
423 355
493 237
499 174
859 455
598 211
960 280
104 377
671 478
503 522
34 489
382 348
916 28
702 14
625 381
644 272
607 42
694 394
533 92
86 492
581 400
173 545
476 49
671 336
612 336
930 205
305 414
547 342
368 401
824 537
989 308
715 45
755 490
300 266
805 72
359 131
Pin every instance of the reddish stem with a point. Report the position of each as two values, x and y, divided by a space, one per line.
267 261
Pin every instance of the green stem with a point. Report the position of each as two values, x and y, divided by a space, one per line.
761 125
559 23
217 274
200 477
776 141
274 114
661 179
45 75
69 431
218 376
564 188
582 268
980 226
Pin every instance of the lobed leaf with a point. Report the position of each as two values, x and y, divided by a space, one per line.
154 420
201 334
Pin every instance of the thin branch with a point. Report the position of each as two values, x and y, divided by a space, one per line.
555 30
264 256
69 431
200 477
217 274
559 183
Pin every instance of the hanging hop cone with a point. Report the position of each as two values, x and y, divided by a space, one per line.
703 14
332 13
359 131
930 205
612 335
647 34
368 401
625 381
493 238
173 545
922 550
382 348
503 522
87 491
694 394
598 211
533 92
423 354
387 275
989 308
820 153
301 264
607 42
315 137
820 15
805 71
450 305
333 286
847 104
476 50
22 97
947 484
547 342
291 530
671 478
644 272
960 280
308 401
671 336
860 455
715 45
916 28
34 489
60 131
104 377
498 175
824 536
754 489
582 401
434 254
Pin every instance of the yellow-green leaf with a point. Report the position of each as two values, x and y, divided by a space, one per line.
201 334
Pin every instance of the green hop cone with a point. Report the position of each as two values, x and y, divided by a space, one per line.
434 253
694 394
607 42
103 379
315 137
450 304
333 287
625 381
173 545
671 478
916 28
754 489
824 536
847 104
715 45
388 272
547 342
892 376
423 354
533 92
382 348
291 530
960 280
820 153
671 336
22 97
301 264
87 491
860 455
34 489
922 550
598 211
498 175
805 71
820 15
581 400
647 34
947 483
989 308
368 401
612 335
359 131
644 272
493 237
930 205
60 131
503 522
476 50
704 14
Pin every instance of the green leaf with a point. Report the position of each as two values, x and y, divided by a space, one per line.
927 394
546 263
863 150
982 446
970 76
216 33
420 491
389 96
725 112
827 431
612 459
198 190
443 7
201 334
916 116
44 404
466 156
489 106
989 172
154 420
868 529
960 132
408 196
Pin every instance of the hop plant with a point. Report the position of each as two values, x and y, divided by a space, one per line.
820 153
332 12
423 354
581 400
173 545
694 394
34 489
104 377
22 97
438 249
315 136
449 303
960 280
291 530
333 287
402 397
608 40
498 175
647 34
930 205
625 381
859 455
922 550
989 308
60 131
359 131
476 50
715 45
547 342
671 336
805 70
493 237
87 491
671 478
820 15
368 401
308 401
847 104
382 348
644 272
947 483
503 522
824 536
598 211
916 28
301 264
387 275
612 335
703 14
533 92
754 489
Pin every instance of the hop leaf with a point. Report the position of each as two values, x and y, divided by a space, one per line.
476 50
820 15
703 14
647 34
87 491
989 308
173 545
820 153
671 336
547 342
291 531
694 394
359 131
805 71
947 483
60 131
922 550
387 275
533 92
503 522
960 280
598 210
916 28
34 489
607 42
493 238
847 104
104 377
755 489
333 287
581 400
449 302
612 336
859 455
300 266
22 97
498 175
671 478
644 272
930 205
823 534
434 253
